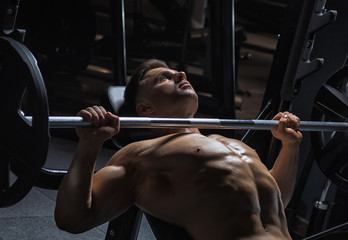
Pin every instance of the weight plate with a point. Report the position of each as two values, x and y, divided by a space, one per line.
331 148
23 146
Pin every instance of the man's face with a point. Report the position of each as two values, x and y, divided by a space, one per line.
169 92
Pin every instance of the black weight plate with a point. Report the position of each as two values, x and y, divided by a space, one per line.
331 148
24 146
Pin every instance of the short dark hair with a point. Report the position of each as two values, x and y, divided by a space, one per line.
133 83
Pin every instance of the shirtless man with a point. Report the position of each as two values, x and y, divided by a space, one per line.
212 186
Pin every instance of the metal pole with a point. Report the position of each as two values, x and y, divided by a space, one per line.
202 123
118 28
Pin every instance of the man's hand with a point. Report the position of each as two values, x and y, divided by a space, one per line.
105 124
287 129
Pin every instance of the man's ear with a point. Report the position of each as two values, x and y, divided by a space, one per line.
144 110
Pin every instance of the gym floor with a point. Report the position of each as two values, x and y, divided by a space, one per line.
33 217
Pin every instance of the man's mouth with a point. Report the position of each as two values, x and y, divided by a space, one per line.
184 84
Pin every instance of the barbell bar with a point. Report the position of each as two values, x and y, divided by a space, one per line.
201 123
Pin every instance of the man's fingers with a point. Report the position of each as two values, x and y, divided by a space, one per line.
286 121
85 115
292 121
114 121
282 123
100 117
278 116
97 115
287 128
95 118
102 110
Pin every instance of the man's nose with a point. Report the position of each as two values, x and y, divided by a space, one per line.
180 76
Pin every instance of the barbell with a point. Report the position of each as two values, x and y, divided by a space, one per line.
201 123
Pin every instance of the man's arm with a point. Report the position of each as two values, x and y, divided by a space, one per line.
85 199
285 167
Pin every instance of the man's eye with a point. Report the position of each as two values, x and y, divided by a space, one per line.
162 78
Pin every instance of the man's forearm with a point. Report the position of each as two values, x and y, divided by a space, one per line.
285 169
74 198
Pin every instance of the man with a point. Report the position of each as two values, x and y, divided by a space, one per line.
214 187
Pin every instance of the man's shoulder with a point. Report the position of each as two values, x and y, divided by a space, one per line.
129 153
141 147
221 137
136 147
227 140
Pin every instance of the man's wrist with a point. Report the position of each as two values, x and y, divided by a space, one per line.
291 145
91 143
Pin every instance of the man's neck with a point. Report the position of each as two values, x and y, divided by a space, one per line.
166 131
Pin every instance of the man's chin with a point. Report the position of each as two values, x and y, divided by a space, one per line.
189 90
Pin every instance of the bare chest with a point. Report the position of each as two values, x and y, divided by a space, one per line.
194 150
193 171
